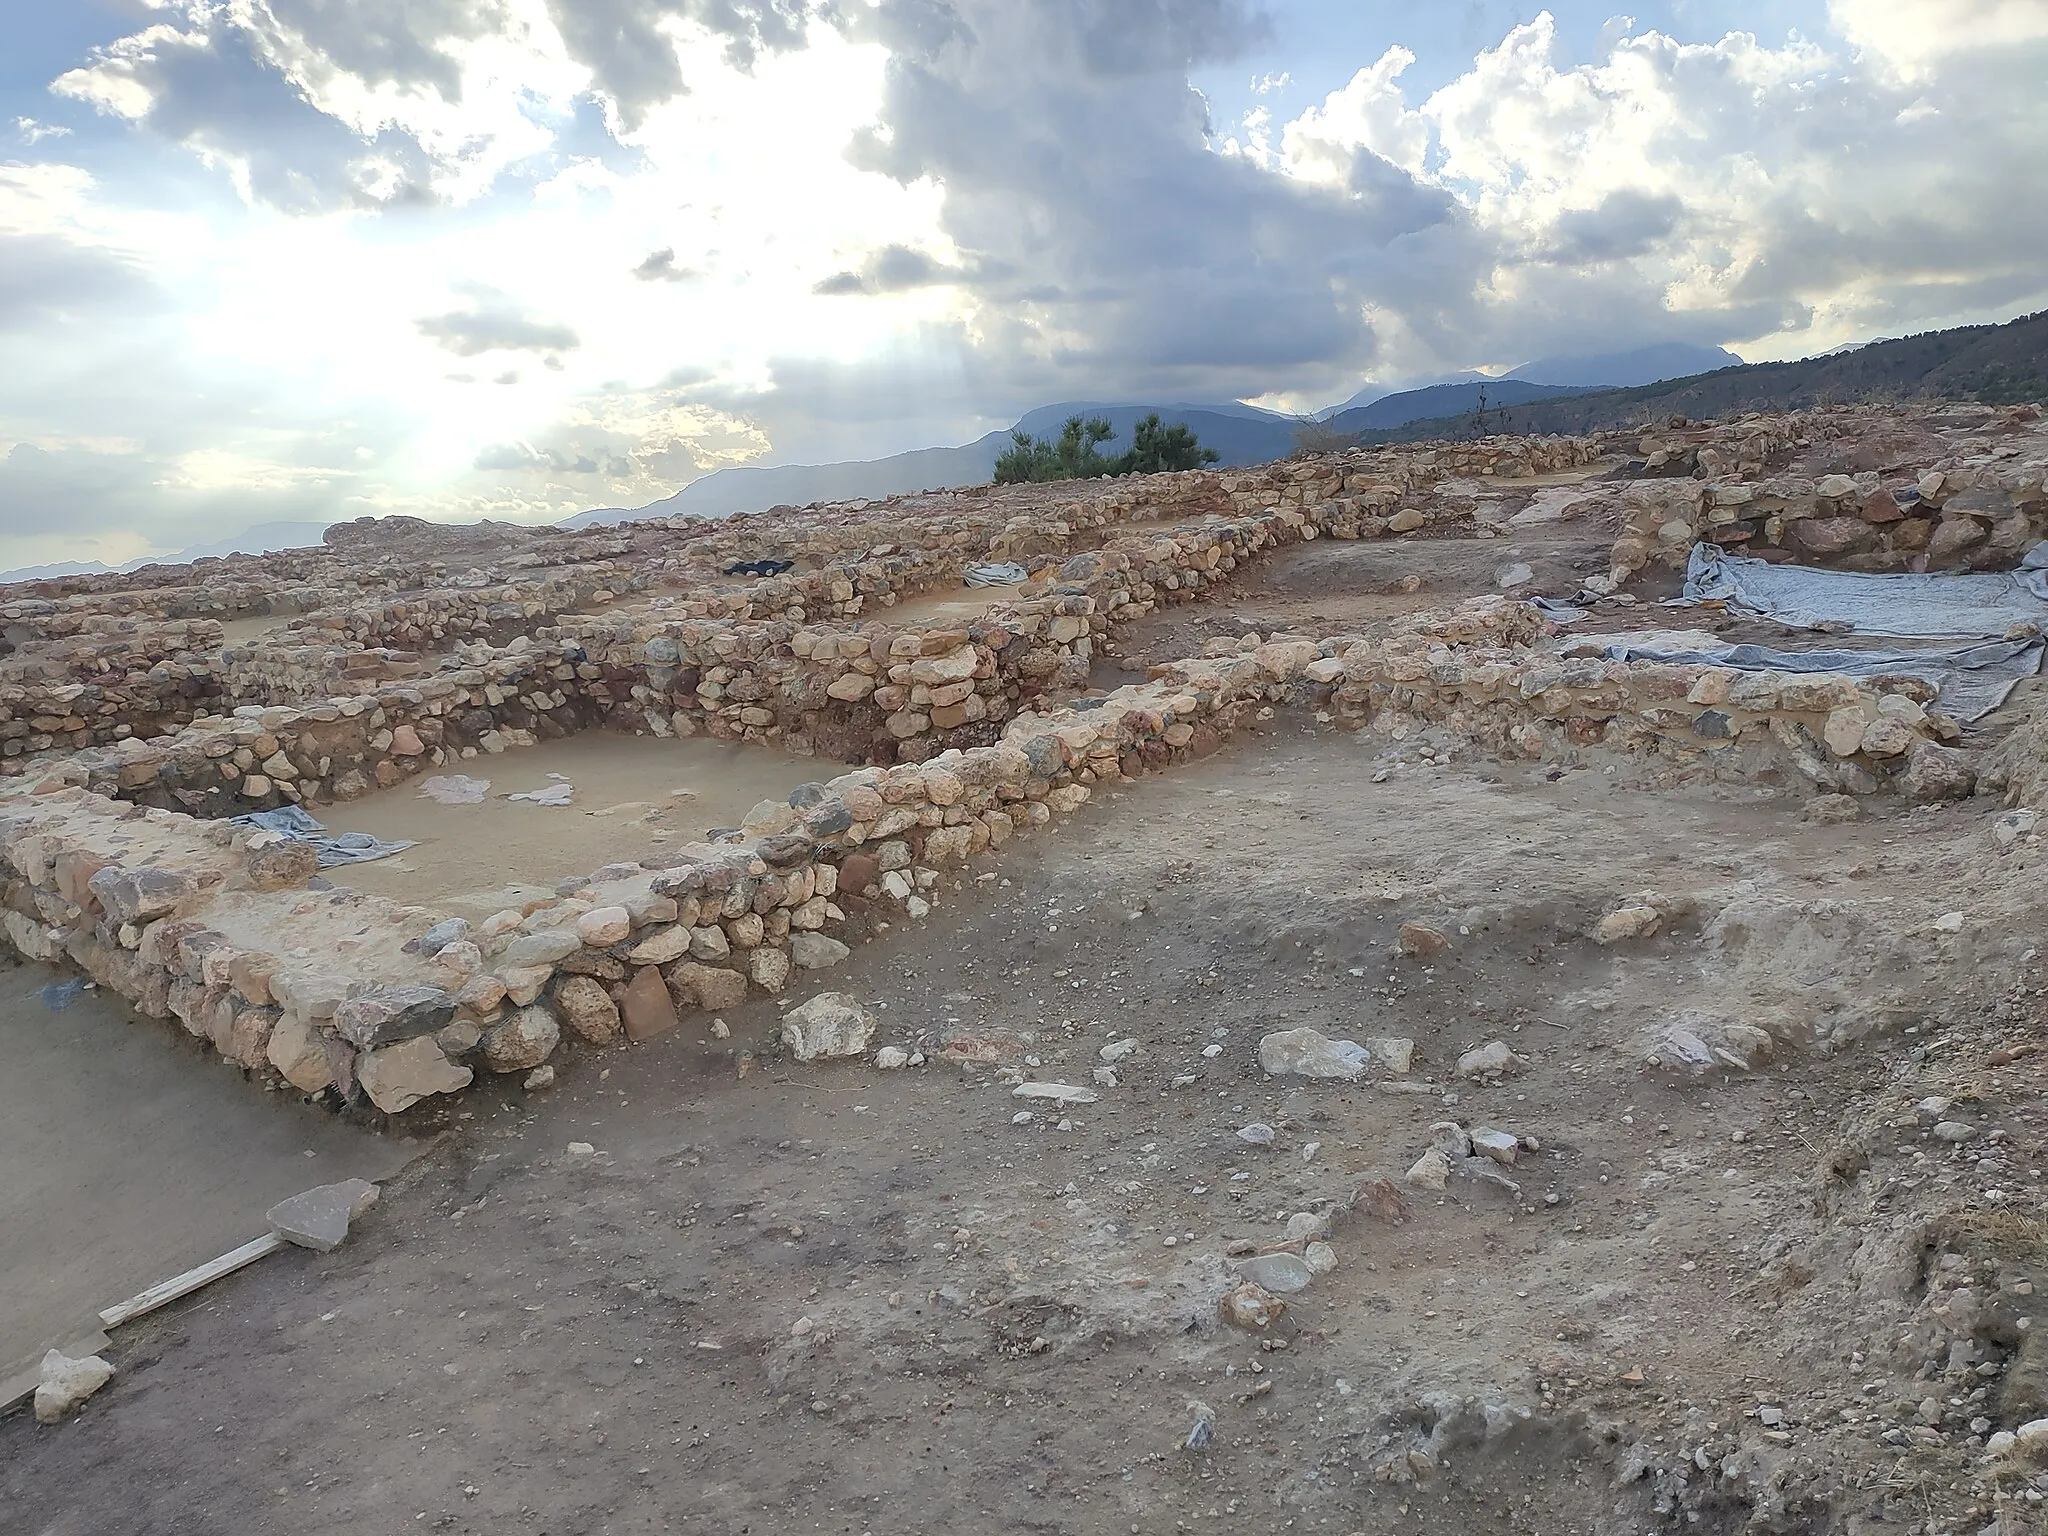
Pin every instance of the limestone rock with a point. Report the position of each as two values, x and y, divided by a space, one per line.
521 1042
542 948
1498 1145
661 947
392 1015
1887 736
588 1010
1418 941
296 1050
319 1218
602 927
385 1018
1632 922
708 987
524 983
1938 773
1395 1054
1432 1170
481 995
1281 1274
816 951
1310 1053
138 895
63 1383
1494 1059
646 1007
399 1076
1250 1306
281 864
462 958
769 969
830 1024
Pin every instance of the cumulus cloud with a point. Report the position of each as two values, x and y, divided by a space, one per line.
44 278
660 267
834 228
1103 240
892 269
1720 192
497 326
629 46
623 444
310 104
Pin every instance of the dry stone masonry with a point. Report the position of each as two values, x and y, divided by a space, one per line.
133 728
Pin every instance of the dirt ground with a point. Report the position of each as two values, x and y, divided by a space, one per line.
1335 587
698 1286
633 794
96 1207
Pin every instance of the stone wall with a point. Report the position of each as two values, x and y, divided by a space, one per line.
1980 510
435 620
107 682
342 748
352 996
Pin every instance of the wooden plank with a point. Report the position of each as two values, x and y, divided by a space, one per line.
170 1290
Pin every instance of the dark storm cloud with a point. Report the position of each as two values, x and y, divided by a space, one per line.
1097 221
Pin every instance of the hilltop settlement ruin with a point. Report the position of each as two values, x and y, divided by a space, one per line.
1481 985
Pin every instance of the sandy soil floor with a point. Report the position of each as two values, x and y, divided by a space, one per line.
779 1298
634 795
1336 586
948 605
130 1155
250 626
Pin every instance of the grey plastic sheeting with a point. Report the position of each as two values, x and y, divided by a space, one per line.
1972 680
1904 605
335 848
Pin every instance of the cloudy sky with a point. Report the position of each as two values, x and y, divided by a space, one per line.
309 259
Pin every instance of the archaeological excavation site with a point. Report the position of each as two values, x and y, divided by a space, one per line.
1479 986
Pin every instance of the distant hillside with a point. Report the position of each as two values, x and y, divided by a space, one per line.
726 491
1602 370
1993 364
1240 434
259 540
1440 400
1624 370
